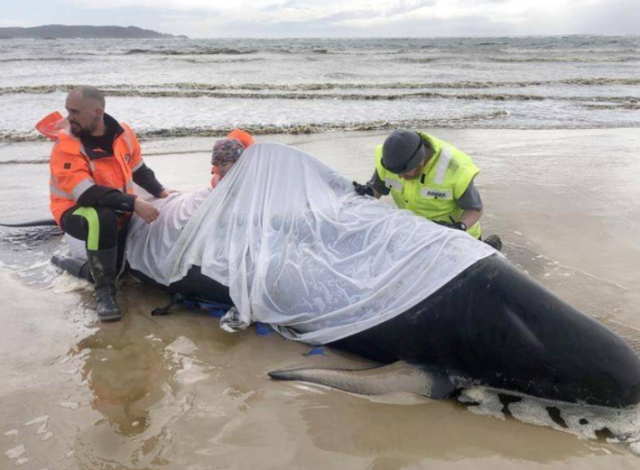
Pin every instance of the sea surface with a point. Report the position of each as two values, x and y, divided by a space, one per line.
176 87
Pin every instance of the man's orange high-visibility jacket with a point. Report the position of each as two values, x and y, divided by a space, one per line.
73 172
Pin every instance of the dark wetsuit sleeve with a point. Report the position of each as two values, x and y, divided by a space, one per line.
378 184
103 196
471 198
146 178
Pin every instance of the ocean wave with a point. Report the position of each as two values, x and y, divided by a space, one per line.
32 161
491 120
18 136
419 60
600 81
578 59
299 95
595 81
174 89
36 90
270 129
181 52
302 95
199 60
42 59
341 75
311 128
631 105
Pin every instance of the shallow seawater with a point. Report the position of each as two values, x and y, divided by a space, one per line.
178 392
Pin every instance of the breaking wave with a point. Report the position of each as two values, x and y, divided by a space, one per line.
306 95
631 105
206 51
419 60
42 59
580 59
269 129
174 89
201 60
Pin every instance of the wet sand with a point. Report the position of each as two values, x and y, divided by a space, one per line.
177 392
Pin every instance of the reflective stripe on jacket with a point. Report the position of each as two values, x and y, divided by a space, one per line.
444 179
73 172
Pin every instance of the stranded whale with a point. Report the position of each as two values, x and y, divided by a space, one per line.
284 238
495 326
492 325
326 267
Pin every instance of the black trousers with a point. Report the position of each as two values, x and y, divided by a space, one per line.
100 227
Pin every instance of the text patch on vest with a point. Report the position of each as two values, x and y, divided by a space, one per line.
433 193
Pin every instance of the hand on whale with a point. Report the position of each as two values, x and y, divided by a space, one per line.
380 380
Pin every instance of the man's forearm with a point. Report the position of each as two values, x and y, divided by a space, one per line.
471 216
146 178
103 196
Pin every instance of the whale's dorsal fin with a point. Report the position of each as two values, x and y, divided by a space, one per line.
397 377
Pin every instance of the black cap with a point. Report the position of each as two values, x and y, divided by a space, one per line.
402 151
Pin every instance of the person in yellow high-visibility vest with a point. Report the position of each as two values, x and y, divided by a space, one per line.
429 177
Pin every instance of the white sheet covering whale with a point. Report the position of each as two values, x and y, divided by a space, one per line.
298 249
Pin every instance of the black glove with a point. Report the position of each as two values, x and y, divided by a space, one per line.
459 226
443 223
454 225
363 189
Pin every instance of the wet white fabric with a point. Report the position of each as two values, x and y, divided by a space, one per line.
299 250
148 245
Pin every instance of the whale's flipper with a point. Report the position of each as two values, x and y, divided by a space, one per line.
397 377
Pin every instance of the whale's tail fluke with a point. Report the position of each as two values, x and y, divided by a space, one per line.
394 378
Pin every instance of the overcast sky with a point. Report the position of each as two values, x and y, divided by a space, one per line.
336 18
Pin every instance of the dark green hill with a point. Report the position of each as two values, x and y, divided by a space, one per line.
59 31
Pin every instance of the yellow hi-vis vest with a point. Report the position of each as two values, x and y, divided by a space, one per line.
444 179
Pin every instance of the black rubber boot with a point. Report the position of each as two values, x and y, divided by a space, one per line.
103 264
77 267
494 242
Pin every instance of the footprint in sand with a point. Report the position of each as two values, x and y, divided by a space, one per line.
70 405
40 420
16 452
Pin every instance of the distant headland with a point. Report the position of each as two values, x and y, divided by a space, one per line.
58 31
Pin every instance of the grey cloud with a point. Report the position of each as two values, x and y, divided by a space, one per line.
277 7
614 17
607 17
407 6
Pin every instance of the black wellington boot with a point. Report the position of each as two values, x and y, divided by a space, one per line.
494 241
103 264
75 266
